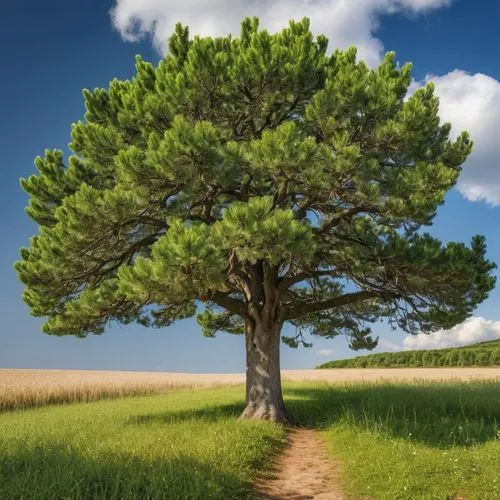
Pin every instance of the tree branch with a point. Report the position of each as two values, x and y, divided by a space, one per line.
285 283
298 310
349 212
233 305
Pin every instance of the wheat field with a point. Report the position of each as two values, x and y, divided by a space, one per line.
27 388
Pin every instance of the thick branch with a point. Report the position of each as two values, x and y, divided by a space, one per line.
305 308
233 305
270 278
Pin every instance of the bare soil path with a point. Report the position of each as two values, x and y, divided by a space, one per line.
303 471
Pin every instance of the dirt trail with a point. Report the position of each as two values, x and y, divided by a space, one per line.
303 471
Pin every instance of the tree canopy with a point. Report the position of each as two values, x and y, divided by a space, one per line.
247 175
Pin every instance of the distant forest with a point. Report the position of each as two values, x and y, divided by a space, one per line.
482 354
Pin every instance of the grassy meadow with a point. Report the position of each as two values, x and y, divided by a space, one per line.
421 440
179 445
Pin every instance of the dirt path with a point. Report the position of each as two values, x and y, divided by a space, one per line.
303 471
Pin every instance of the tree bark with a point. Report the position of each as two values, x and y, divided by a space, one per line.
264 398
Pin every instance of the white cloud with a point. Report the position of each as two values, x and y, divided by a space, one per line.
472 103
325 352
471 331
345 22
387 345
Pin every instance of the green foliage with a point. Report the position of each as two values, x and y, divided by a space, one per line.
254 231
212 322
186 255
482 354
252 174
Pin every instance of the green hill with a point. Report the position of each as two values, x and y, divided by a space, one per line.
482 354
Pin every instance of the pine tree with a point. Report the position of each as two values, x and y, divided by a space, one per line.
253 182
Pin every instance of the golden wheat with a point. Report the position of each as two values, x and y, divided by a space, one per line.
27 388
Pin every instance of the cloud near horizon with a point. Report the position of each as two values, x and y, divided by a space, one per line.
345 22
471 331
325 352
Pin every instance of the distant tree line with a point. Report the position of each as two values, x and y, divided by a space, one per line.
482 354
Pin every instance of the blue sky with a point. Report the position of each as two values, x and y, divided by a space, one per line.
50 51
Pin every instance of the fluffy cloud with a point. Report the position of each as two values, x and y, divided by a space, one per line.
387 345
472 103
471 331
345 22
324 352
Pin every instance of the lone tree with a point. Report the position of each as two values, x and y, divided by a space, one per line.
251 182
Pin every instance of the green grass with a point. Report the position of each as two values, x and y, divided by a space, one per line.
481 354
412 441
393 441
185 444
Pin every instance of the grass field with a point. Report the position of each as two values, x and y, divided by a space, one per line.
185 444
392 440
414 441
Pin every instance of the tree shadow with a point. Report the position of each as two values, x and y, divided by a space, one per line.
53 470
439 415
205 414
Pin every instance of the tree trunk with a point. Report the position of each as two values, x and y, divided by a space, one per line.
264 399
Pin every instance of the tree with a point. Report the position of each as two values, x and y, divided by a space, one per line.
253 182
494 358
453 357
